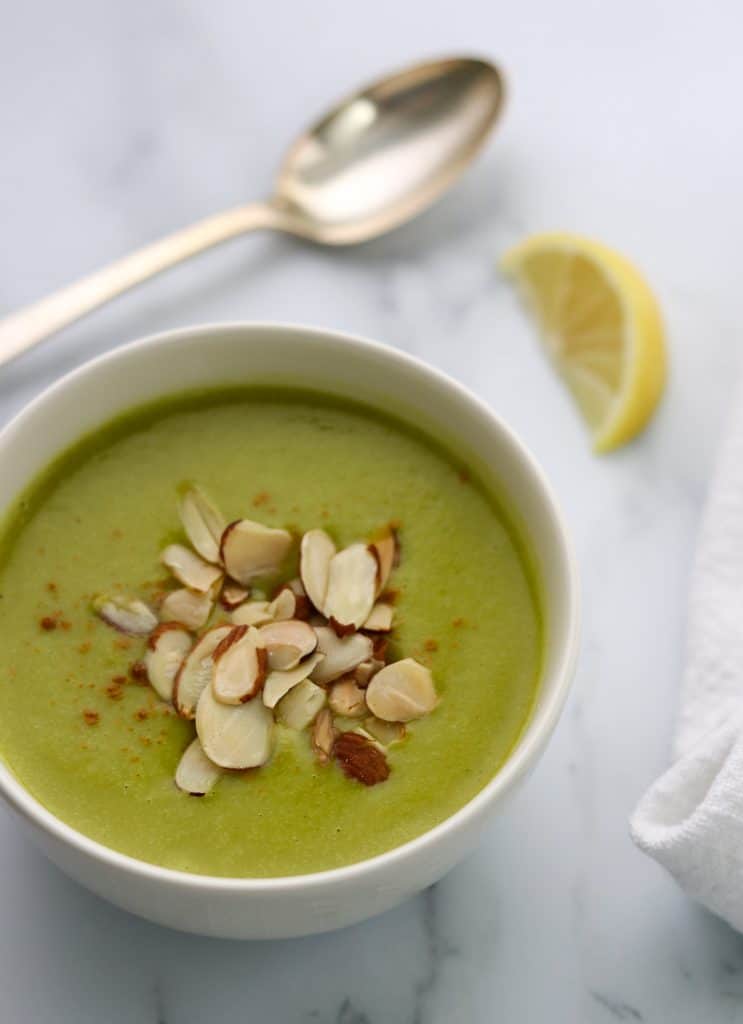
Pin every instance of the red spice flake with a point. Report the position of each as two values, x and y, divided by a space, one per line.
463 476
119 680
324 514
431 645
66 626
123 643
138 672
91 717
145 741
48 623
114 692
85 648
390 596
52 588
117 533
141 714
262 498
458 622
134 759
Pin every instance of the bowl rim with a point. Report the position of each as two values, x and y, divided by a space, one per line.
519 761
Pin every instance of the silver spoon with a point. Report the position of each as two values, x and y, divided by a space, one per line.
376 160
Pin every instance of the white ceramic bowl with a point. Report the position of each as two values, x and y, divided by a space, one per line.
342 365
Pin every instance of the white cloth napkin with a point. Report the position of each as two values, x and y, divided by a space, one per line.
691 820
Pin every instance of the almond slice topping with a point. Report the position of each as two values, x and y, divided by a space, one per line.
401 692
252 613
202 522
366 671
386 551
195 773
287 643
346 699
250 549
352 586
278 684
300 706
196 672
234 735
342 655
380 618
283 605
386 732
233 595
323 736
315 554
126 615
239 667
188 607
167 647
360 759
189 568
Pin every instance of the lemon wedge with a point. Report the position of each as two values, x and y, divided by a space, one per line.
601 327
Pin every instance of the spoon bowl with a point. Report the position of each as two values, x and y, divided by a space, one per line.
389 151
370 165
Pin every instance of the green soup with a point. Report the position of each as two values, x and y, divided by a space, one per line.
101 753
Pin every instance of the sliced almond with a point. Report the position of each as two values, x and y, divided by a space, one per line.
283 605
239 667
189 568
252 613
386 732
386 551
202 522
234 735
300 706
127 615
352 586
196 672
233 595
346 699
342 655
195 773
250 549
278 684
380 618
297 587
401 692
167 647
323 736
316 551
360 759
287 643
366 671
188 607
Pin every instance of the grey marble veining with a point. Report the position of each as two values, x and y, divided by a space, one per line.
120 122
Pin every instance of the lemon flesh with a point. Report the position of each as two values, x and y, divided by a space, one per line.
601 327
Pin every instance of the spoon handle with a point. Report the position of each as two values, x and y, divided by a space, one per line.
30 325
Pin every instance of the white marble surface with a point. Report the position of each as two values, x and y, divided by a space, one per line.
122 121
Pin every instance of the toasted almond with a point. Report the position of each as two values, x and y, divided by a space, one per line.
316 551
233 595
127 615
380 618
188 607
167 647
401 692
341 655
339 629
300 706
278 683
252 613
386 732
195 674
202 522
239 667
345 698
189 568
297 587
287 643
250 549
386 551
360 759
234 735
323 736
352 581
283 605
195 773
366 671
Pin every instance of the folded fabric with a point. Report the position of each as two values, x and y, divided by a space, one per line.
691 820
